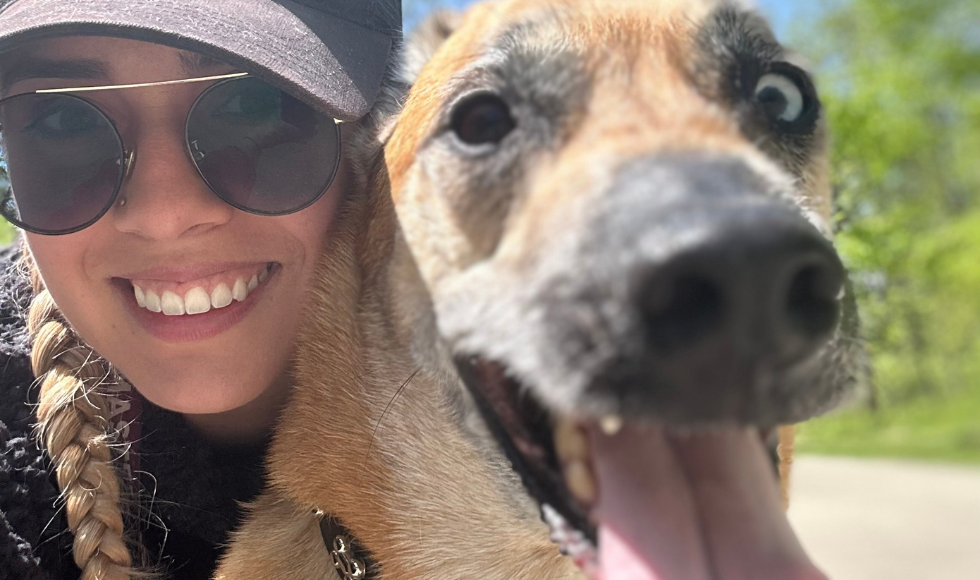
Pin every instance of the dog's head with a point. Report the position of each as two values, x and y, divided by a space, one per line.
621 211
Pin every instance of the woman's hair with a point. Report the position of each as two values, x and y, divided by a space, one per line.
74 428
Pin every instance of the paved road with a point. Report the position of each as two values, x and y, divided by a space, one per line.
888 520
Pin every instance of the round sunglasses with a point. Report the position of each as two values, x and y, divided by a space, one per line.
63 160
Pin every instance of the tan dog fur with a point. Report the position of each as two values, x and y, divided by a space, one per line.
404 478
429 495
430 500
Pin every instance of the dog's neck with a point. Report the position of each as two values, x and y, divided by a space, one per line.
395 459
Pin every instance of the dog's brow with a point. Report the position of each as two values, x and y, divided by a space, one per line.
743 31
521 32
498 53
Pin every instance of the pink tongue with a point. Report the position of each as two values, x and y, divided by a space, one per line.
700 508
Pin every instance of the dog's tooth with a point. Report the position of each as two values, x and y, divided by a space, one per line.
140 296
253 283
240 291
570 441
581 482
153 302
221 296
611 424
172 304
197 301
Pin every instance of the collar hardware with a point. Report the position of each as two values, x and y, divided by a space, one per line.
349 559
345 561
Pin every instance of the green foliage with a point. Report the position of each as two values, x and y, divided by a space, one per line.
7 232
901 83
928 428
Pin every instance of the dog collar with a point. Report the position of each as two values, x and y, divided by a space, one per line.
351 560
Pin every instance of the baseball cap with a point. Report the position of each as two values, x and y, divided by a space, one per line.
333 54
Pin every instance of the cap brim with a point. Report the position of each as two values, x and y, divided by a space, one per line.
333 64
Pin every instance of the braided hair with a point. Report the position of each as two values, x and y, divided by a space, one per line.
74 428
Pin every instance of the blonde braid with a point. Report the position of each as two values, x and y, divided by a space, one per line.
74 428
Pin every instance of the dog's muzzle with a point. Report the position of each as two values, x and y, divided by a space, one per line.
699 311
699 296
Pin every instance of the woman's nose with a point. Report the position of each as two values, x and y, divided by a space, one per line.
163 196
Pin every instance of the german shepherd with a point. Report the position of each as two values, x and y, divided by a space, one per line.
609 281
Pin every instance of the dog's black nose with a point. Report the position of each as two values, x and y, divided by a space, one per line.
712 295
761 284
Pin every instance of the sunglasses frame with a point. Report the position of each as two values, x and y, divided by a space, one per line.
128 156
190 153
124 171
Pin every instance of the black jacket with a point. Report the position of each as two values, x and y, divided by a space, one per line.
188 495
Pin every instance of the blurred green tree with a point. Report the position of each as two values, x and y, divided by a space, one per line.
901 83
7 231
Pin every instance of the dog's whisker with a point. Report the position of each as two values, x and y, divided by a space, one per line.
384 413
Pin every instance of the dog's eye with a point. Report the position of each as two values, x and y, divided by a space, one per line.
781 97
482 119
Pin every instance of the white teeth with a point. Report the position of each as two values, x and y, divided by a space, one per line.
173 305
153 302
611 424
197 301
240 291
221 296
581 482
570 442
572 448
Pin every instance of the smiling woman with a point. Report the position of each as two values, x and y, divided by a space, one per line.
176 179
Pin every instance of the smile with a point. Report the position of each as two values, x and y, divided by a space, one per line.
200 296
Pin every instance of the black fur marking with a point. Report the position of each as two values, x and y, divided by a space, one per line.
733 50
521 428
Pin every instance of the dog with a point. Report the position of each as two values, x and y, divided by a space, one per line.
589 276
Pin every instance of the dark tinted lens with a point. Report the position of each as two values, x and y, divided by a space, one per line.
61 162
260 149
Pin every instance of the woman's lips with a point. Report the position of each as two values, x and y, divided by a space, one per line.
207 308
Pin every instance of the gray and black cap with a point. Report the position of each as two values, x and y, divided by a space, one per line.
330 53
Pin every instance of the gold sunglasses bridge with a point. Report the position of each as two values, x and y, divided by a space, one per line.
142 85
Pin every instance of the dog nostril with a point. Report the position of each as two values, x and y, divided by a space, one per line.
682 312
812 308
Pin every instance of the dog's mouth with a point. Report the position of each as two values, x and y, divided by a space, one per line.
632 501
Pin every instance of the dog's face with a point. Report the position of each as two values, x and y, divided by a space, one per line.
621 212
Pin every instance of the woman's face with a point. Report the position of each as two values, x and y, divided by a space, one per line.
173 237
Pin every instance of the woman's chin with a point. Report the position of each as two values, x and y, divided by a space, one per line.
200 398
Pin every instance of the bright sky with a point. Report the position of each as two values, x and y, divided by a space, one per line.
779 11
